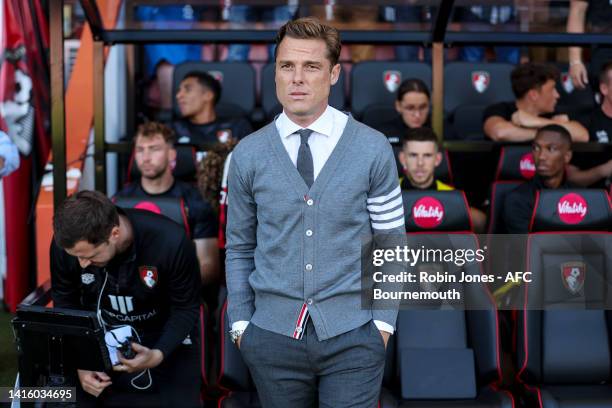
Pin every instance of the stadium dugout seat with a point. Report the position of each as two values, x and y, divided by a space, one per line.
173 208
375 83
272 107
564 331
577 103
445 357
237 83
515 166
185 168
233 377
469 89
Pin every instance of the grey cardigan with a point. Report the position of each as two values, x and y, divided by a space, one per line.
273 266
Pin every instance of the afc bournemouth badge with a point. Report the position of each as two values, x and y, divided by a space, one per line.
481 80
573 275
392 80
224 135
148 275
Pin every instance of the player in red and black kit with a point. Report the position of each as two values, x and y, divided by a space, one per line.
138 269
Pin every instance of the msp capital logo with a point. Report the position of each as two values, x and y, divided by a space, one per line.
481 80
392 80
527 166
148 275
427 212
573 275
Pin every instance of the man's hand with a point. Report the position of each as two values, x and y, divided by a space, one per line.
93 382
579 75
527 120
561 118
1 162
238 341
385 335
145 358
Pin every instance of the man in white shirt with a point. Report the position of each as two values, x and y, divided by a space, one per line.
297 317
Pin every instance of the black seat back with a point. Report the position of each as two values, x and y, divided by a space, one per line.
564 330
173 208
237 83
376 82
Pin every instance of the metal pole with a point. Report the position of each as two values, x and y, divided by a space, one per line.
98 95
58 114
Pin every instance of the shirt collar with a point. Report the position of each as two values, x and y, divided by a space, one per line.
323 125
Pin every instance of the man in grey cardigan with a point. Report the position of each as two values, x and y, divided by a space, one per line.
304 191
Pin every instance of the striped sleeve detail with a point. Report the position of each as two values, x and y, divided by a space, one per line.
387 211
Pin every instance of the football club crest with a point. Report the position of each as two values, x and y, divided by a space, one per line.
218 75
573 275
224 135
481 80
392 80
566 80
148 275
87 278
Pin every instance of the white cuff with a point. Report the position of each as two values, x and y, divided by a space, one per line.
240 325
386 327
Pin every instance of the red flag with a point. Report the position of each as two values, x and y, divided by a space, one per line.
24 103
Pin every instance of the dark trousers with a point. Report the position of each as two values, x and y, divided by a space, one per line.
344 371
176 383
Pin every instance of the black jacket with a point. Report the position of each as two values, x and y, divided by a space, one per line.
518 205
153 286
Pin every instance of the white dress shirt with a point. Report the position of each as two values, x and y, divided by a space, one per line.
327 130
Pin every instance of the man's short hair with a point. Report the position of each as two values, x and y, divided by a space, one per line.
309 28
412 85
530 76
603 72
207 81
422 134
84 216
559 130
151 129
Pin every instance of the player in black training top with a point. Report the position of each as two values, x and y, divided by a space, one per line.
197 97
139 269
154 155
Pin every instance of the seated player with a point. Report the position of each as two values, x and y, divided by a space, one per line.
197 97
412 104
533 85
552 151
154 155
136 269
420 155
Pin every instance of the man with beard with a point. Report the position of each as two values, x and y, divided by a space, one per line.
552 152
154 155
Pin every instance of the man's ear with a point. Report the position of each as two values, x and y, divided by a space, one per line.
114 235
335 74
172 154
567 157
402 159
438 158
